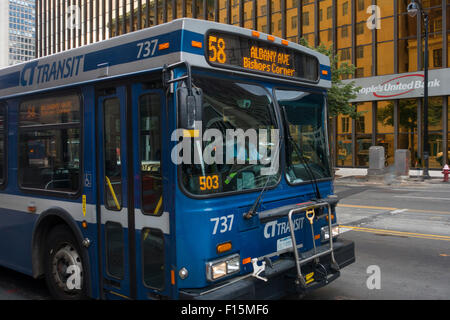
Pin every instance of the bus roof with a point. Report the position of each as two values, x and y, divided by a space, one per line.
135 52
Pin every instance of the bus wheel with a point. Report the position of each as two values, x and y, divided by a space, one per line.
64 266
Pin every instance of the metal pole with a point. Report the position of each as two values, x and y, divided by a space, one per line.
426 144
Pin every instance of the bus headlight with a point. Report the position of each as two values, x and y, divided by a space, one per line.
325 235
223 267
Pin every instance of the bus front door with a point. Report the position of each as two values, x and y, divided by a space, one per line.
152 207
134 214
116 210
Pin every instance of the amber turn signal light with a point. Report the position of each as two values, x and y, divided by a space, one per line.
224 247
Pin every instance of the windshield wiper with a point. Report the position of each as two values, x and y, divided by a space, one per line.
301 156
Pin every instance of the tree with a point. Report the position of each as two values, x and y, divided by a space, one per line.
340 94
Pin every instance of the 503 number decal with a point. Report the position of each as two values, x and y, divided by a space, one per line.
209 182
222 224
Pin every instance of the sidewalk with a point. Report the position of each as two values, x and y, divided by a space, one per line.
359 175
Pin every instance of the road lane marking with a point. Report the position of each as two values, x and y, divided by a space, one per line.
395 231
425 198
365 207
399 210
429 211
398 233
392 209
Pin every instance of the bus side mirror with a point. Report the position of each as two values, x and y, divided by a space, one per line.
189 107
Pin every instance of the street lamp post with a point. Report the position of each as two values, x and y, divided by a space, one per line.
413 8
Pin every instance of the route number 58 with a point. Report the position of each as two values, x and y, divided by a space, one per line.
216 49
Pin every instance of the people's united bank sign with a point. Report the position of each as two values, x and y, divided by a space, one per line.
403 86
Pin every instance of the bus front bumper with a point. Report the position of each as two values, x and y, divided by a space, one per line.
281 279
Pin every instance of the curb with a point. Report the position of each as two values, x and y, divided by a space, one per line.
388 180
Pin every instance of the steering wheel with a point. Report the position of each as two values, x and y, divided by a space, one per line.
219 124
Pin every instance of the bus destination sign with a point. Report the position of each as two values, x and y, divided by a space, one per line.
238 52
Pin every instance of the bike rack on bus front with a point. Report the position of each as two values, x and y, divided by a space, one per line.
299 261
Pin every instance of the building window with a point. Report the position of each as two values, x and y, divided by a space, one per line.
305 18
360 28
264 10
435 121
345 54
360 52
49 143
436 24
385 129
360 124
408 134
361 5
344 32
345 124
437 58
363 130
359 72
345 8
329 12
345 151
294 22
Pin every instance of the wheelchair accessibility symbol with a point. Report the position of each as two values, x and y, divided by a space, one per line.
88 180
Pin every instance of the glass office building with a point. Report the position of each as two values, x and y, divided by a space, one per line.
377 36
17 31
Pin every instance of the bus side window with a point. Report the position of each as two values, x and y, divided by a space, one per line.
113 171
2 143
115 260
49 143
153 258
150 149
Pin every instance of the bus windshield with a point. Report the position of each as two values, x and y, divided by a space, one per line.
239 131
306 151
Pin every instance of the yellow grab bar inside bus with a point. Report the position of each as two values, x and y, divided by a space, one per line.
112 192
158 206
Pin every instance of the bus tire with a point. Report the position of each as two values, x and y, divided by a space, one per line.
63 265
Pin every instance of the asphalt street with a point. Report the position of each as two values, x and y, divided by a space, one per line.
405 231
402 232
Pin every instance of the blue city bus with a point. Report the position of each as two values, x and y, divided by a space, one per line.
94 198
